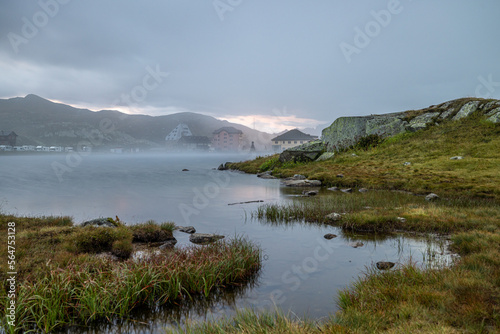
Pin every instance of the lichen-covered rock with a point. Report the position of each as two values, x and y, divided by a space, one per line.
386 125
495 118
326 156
100 222
466 110
305 152
422 121
302 183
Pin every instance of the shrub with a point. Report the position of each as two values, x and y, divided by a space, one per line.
270 164
92 239
151 232
122 248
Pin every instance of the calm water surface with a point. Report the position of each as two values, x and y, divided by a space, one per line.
302 271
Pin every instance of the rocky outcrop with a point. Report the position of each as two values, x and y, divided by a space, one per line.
303 153
100 222
347 131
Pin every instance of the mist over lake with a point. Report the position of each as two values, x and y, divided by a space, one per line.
301 270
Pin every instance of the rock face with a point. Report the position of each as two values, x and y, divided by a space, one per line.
204 238
305 152
100 222
346 131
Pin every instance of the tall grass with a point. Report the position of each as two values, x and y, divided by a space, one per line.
67 287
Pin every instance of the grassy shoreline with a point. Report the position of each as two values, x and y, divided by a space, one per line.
464 298
64 280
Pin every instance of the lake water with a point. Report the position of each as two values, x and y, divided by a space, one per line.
301 273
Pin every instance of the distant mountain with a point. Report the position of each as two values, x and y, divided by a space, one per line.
38 121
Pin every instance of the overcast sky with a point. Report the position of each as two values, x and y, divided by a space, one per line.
278 63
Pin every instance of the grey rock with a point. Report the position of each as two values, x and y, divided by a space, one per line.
299 177
204 238
492 112
407 163
310 193
401 219
266 175
302 183
495 118
326 156
363 190
356 244
431 197
168 243
446 114
458 157
330 236
466 110
347 191
354 155
187 229
306 152
383 265
222 167
99 222
334 216
333 189
422 121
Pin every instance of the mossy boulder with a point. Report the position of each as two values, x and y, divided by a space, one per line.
303 153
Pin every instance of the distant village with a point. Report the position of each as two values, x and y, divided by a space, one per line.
225 139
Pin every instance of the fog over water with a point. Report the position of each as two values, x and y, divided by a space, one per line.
302 271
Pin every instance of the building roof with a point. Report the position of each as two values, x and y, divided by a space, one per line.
228 129
294 135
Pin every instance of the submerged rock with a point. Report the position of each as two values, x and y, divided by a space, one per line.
385 265
187 229
310 193
266 175
330 236
204 238
356 244
333 189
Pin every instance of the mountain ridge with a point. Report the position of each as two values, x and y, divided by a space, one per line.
38 121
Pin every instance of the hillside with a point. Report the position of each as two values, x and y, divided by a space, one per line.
38 121
417 160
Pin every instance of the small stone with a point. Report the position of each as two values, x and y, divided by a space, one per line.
333 189
356 244
310 193
168 244
363 190
385 265
354 155
187 229
348 190
340 175
334 216
407 163
457 158
330 236
431 197
401 219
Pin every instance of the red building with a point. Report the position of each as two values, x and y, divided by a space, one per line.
227 139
